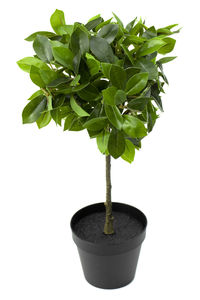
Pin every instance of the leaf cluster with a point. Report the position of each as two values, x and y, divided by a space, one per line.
100 76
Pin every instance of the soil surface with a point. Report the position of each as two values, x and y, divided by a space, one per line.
90 228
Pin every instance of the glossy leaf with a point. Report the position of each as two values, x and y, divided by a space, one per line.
48 34
139 103
151 46
116 143
109 32
129 152
101 49
79 41
114 116
118 77
170 43
109 95
165 60
155 94
136 83
106 67
77 108
33 109
118 20
90 93
146 65
102 141
63 56
133 127
44 119
93 23
103 24
42 77
120 97
42 48
59 82
96 123
72 89
93 64
57 19
36 94
26 63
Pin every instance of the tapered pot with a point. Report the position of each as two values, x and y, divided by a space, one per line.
109 262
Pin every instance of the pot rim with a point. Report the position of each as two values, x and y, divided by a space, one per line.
109 249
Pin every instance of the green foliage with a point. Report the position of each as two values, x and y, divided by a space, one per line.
103 76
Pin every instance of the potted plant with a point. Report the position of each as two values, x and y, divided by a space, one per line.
107 79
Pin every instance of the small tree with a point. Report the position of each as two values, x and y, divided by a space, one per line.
102 77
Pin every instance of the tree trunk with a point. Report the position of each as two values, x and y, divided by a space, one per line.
108 227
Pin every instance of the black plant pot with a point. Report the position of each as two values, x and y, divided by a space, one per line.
109 261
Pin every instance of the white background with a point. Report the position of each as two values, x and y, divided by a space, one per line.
48 174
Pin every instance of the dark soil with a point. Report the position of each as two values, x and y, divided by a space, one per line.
90 228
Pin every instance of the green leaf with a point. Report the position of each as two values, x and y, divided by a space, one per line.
139 103
106 67
151 46
151 116
77 108
93 23
96 123
36 94
72 89
133 127
102 24
42 77
109 95
129 152
76 62
118 20
42 47
118 77
75 81
44 119
102 50
130 25
109 32
26 63
90 93
69 121
148 66
114 116
63 56
79 41
136 83
128 54
131 71
48 34
65 29
94 18
165 60
57 19
102 141
116 143
59 113
155 94
58 82
33 109
120 97
92 63
170 43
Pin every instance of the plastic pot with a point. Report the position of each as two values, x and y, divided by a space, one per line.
112 264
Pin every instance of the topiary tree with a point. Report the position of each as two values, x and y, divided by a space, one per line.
102 77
